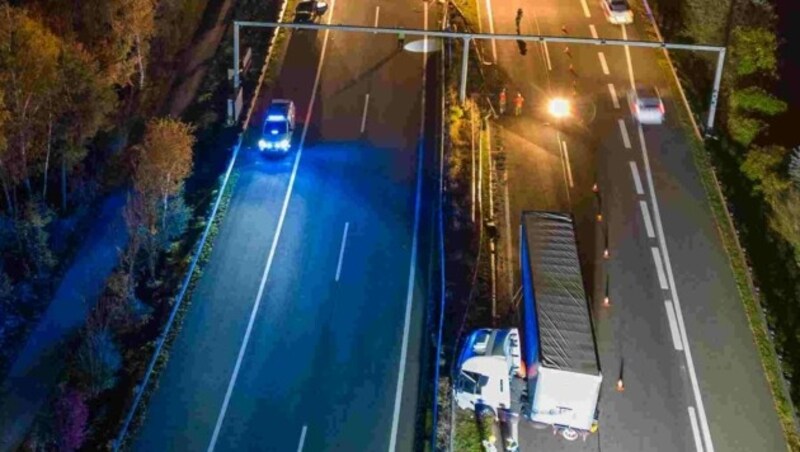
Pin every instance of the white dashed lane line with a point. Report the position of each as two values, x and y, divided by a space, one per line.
613 92
603 63
662 278
302 439
637 180
673 326
698 443
364 114
623 129
648 223
586 9
593 30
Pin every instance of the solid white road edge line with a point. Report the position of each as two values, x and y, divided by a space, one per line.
698 443
613 92
401 371
662 279
648 224
341 251
586 9
593 31
364 115
377 13
302 439
603 62
628 58
490 18
709 445
673 326
275 238
566 159
623 129
637 181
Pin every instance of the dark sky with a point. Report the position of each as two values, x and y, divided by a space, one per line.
785 130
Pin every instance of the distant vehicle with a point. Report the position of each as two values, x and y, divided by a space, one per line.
617 12
547 370
309 11
646 105
276 136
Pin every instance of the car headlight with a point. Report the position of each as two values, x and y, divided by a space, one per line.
262 144
283 144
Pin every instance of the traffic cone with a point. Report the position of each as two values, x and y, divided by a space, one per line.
599 217
620 383
564 29
606 300
567 52
595 189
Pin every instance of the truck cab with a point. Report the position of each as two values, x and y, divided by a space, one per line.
279 123
486 366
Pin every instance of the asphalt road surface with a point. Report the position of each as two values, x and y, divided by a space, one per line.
675 327
304 332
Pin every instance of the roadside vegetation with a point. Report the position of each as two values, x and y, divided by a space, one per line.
759 175
82 98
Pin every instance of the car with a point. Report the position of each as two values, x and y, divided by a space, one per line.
617 12
646 105
276 136
309 11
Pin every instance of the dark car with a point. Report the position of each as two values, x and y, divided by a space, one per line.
309 10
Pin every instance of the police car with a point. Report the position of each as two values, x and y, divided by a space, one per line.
276 136
617 12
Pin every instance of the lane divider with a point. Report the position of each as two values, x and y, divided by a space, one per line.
648 223
586 9
623 129
364 114
662 279
614 99
341 250
673 326
302 439
637 181
603 63
593 30
698 443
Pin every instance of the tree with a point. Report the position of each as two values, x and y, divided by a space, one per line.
754 50
136 18
761 165
164 160
744 129
4 156
32 239
98 360
785 219
794 166
71 418
83 105
757 100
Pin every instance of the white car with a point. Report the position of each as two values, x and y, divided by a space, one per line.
646 105
276 136
617 12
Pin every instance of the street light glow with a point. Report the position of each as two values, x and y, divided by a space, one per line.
558 107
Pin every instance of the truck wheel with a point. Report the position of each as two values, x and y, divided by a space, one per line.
569 434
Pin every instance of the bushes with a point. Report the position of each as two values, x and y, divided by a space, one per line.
71 420
98 361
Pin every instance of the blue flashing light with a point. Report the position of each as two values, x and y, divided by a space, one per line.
274 131
276 118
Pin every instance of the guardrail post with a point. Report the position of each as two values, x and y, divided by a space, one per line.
464 66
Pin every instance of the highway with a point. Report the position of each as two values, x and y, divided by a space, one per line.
692 376
305 329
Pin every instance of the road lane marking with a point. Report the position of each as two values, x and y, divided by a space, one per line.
613 92
491 29
341 251
698 443
364 115
637 181
648 224
566 159
586 9
709 445
623 129
603 62
302 439
662 280
274 246
593 30
547 56
401 371
559 144
673 326
509 243
377 13
628 58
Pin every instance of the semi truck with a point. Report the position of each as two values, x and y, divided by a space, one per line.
547 369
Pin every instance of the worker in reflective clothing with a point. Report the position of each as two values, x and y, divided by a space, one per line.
503 101
518 101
